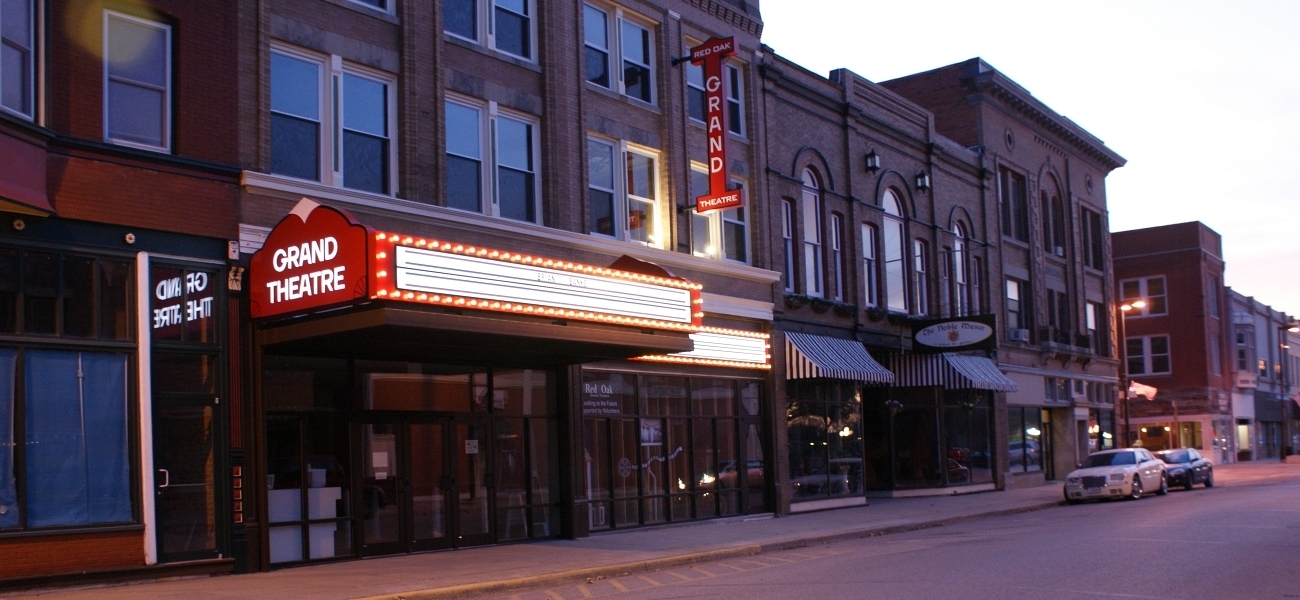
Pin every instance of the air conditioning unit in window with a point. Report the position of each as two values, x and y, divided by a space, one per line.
1018 335
1060 251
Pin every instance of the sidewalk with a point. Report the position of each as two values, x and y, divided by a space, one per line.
469 572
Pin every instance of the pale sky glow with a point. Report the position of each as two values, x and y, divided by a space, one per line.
1202 98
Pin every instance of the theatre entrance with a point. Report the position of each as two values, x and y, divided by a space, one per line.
426 484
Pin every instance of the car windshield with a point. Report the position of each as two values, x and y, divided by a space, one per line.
1106 460
1181 456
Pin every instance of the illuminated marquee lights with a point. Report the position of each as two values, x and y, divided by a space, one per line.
388 273
718 347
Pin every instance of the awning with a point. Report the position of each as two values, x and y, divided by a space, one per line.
952 371
808 356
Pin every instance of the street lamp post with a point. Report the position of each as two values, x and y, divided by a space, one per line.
1123 362
1292 326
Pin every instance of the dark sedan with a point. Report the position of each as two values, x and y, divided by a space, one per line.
1187 467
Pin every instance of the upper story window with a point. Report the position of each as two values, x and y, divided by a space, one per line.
1017 305
1053 221
920 283
384 5
895 258
507 26
1094 253
870 268
1148 355
623 192
18 57
1212 295
810 217
717 233
137 82
634 42
787 243
1015 210
960 281
837 255
1148 289
735 94
1092 324
976 287
491 161
65 295
331 122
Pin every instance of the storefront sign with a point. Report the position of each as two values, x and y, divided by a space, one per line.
948 335
711 55
182 299
314 258
723 348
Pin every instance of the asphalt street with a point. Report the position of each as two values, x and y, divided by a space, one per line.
1240 539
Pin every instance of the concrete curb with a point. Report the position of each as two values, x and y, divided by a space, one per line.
657 564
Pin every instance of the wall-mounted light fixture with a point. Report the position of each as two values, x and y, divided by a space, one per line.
872 161
922 181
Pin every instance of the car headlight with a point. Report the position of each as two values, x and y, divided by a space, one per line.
1072 481
1117 476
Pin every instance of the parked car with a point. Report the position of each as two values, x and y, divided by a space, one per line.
1187 467
1122 473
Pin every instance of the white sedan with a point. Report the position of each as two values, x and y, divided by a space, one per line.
1122 473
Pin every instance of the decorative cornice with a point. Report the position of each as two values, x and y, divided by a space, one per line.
729 16
989 83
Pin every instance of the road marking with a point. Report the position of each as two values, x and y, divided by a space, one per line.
649 580
584 590
558 595
619 586
678 575
705 571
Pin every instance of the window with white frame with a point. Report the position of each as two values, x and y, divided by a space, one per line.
733 80
507 26
384 5
137 82
619 53
331 122
1148 355
869 267
1148 289
976 287
960 282
717 233
810 217
837 256
895 256
491 161
1090 312
18 57
623 194
920 284
595 37
787 243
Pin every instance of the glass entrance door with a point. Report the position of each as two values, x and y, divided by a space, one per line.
185 477
425 485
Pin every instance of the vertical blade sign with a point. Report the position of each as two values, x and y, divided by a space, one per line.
711 54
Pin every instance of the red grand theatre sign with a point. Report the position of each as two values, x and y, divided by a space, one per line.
320 257
711 54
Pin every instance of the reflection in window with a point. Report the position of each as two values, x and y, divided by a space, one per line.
895 263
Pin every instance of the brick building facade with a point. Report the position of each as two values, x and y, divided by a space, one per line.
118 173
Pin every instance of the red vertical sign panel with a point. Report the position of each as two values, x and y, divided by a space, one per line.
711 54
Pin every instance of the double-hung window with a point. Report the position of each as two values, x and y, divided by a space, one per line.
18 57
507 26
787 243
632 70
137 82
869 267
837 255
921 284
717 233
1094 254
1150 290
810 216
1017 305
623 192
384 5
1015 209
894 238
960 283
331 122
1092 322
491 161
1148 355
735 95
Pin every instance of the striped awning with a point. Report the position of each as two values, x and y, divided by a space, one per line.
808 356
952 371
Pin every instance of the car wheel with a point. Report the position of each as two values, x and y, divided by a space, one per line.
1191 480
1209 479
1135 491
1164 485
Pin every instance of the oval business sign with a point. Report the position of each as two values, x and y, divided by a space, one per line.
953 334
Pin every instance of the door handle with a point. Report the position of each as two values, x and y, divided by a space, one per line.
167 478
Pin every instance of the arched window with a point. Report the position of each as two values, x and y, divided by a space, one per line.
960 291
810 216
1053 218
895 256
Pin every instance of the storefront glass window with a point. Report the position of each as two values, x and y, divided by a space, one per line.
966 437
1025 439
309 489
823 421
290 382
